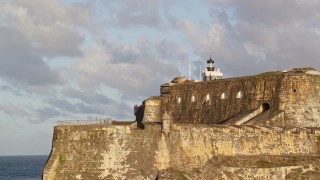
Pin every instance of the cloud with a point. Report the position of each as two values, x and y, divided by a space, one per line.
131 13
87 97
33 30
76 102
14 110
49 27
10 89
139 73
244 37
43 114
247 37
21 66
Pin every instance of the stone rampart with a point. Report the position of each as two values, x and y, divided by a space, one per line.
103 152
214 102
126 152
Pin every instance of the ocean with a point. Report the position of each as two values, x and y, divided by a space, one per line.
22 167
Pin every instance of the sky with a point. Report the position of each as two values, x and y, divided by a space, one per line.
95 59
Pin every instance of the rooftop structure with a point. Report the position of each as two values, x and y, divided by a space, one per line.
210 73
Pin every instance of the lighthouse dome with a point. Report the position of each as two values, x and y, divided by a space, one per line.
210 61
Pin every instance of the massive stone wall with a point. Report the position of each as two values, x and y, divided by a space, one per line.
103 152
214 102
125 152
192 139
193 145
300 100
223 102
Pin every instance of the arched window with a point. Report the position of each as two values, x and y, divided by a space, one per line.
179 100
239 95
193 98
265 106
223 96
207 97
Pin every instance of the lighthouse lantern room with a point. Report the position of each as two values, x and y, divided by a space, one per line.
210 73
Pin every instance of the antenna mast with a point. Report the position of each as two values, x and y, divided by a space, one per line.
190 71
200 74
179 69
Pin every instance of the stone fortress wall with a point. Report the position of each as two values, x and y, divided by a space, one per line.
126 152
283 110
294 95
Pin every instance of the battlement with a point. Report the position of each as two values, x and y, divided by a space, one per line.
234 129
84 122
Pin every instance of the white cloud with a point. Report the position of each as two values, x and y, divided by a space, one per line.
131 70
258 36
244 37
48 26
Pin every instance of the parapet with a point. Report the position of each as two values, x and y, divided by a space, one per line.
235 129
164 88
302 69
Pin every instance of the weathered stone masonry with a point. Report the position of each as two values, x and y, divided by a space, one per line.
124 152
279 113
290 93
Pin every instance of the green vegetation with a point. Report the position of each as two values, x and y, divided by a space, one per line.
61 159
268 73
318 138
185 178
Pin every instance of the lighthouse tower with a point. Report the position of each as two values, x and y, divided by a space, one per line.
210 73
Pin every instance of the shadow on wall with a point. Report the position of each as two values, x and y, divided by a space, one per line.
139 116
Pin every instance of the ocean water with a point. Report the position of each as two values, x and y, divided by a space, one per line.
22 167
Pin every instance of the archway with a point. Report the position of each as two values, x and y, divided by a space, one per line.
265 107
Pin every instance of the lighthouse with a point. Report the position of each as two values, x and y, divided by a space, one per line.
210 73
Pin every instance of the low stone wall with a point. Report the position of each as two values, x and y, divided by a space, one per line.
125 152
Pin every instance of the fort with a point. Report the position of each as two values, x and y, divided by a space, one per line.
265 126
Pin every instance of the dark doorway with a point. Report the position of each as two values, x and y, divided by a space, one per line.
265 106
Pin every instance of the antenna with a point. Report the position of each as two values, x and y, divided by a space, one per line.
200 73
190 71
179 69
